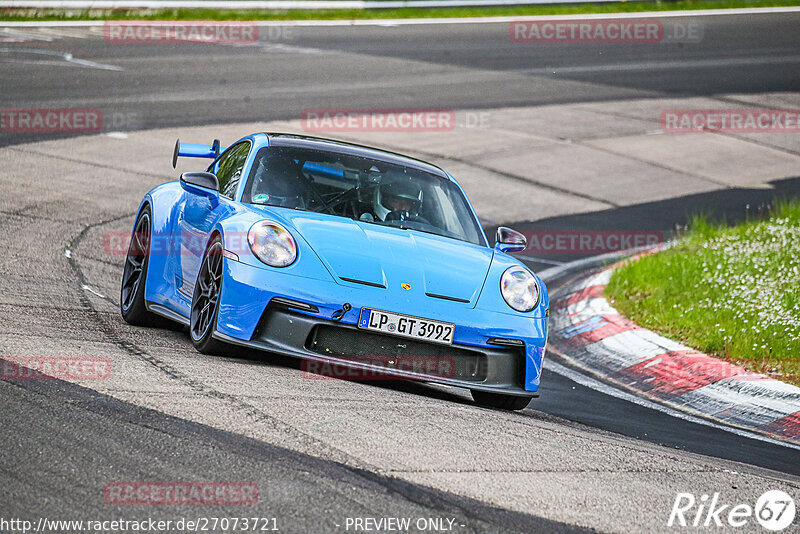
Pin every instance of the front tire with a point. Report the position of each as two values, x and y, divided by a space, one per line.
205 301
500 401
134 276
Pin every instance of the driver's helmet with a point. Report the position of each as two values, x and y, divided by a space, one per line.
398 195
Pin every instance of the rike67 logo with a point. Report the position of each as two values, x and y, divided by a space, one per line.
774 510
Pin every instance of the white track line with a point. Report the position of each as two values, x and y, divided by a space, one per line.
466 20
24 36
90 290
67 59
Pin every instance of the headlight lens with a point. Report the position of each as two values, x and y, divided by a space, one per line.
519 289
272 244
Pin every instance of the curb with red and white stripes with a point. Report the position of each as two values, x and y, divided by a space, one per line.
609 345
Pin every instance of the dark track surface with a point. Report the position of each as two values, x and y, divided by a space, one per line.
122 442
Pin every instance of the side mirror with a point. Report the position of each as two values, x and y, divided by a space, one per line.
201 183
508 240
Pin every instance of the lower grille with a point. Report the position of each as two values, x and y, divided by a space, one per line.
441 361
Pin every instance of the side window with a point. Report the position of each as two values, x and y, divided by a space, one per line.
229 168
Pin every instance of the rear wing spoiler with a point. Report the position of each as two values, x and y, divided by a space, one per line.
195 150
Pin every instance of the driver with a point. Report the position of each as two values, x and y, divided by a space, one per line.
397 198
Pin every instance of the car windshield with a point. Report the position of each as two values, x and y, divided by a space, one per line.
360 188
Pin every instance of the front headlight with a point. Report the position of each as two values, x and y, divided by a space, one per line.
520 289
272 244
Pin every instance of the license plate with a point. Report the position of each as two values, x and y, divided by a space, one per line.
398 324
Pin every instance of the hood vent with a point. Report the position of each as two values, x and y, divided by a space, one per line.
445 297
362 282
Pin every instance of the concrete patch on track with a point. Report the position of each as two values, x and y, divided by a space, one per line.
595 337
85 188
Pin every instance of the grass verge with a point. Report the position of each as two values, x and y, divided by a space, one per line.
730 292
20 14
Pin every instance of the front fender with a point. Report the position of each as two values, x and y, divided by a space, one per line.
234 230
491 299
160 283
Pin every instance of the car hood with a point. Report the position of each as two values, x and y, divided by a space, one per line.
361 253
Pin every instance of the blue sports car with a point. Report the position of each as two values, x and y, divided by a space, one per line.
341 255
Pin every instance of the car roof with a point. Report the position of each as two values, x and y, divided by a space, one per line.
351 149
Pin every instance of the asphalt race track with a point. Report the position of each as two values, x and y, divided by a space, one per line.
460 66
323 451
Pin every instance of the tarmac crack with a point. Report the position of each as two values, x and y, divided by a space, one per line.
88 163
20 213
102 319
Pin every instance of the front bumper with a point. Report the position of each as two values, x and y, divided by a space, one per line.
249 316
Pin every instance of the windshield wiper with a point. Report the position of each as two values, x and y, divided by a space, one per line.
404 227
298 208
